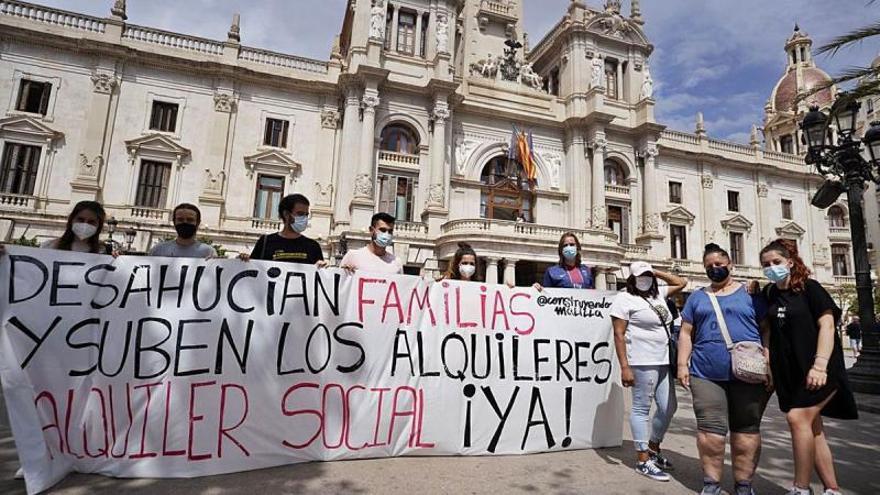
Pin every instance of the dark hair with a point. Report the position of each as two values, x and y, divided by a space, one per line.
787 248
187 206
632 289
385 217
67 238
713 248
577 258
289 202
452 271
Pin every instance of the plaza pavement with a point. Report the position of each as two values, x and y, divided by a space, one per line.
856 446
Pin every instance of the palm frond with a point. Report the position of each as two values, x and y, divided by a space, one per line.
853 37
869 75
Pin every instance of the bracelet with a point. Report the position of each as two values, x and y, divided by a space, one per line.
814 368
820 357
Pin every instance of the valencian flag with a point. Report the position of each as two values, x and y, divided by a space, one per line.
522 149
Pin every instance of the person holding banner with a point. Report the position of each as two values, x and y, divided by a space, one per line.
463 265
375 257
722 312
83 230
186 218
289 245
643 339
806 358
570 273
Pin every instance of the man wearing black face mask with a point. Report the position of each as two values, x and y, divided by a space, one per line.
186 219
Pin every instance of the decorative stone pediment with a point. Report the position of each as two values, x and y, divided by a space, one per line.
612 23
156 146
273 161
679 215
28 128
791 230
737 222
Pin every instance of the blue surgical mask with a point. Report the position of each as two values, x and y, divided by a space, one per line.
569 252
384 239
300 223
777 273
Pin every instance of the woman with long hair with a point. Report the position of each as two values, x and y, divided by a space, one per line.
722 403
570 272
642 337
463 265
806 360
83 230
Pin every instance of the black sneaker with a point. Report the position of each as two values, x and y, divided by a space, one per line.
649 469
661 461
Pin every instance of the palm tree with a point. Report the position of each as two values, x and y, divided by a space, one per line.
868 78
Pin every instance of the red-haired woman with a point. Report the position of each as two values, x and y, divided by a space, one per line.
806 359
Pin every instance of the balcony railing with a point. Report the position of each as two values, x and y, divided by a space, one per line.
16 201
410 229
394 159
265 224
495 7
55 17
636 249
520 230
265 57
616 189
838 230
844 280
172 40
150 213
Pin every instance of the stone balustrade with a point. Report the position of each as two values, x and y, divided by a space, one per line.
496 7
636 250
149 213
410 229
523 230
393 159
171 40
844 280
616 189
17 201
265 225
265 57
55 17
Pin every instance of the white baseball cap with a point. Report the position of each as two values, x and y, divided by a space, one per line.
640 268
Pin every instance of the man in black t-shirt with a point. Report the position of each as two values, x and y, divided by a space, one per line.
289 245
854 332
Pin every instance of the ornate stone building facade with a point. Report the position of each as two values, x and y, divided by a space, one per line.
412 114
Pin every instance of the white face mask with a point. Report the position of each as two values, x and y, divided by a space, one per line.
644 282
83 230
467 270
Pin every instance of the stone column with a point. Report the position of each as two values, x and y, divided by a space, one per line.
577 184
651 203
510 271
600 147
211 197
491 270
91 160
435 208
393 34
325 178
362 205
600 280
417 51
348 159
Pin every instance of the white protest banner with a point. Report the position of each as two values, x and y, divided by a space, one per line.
157 367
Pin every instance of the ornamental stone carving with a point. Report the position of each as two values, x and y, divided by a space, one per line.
436 194
488 67
103 83
530 78
599 217
330 118
441 112
370 102
214 182
554 163
596 71
651 225
377 20
647 85
224 102
118 10
363 186
707 181
762 190
442 33
323 193
464 148
599 145
89 169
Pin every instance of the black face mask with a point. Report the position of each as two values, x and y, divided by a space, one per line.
185 230
717 273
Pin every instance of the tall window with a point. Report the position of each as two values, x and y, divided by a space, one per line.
399 139
276 133
840 259
396 196
732 201
614 175
675 193
33 97
836 217
611 90
786 209
19 172
423 45
389 20
152 186
786 144
164 116
737 248
270 189
618 222
506 193
678 241
406 32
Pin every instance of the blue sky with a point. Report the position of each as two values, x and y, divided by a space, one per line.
720 57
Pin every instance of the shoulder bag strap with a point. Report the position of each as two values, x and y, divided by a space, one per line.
659 315
265 239
720 316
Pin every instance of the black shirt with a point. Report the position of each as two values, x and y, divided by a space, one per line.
854 330
794 337
273 247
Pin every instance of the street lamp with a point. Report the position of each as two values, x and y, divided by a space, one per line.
130 234
846 170
111 229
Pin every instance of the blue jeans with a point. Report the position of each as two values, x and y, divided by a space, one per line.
653 384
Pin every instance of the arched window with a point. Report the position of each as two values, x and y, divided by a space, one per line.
506 193
399 139
614 174
836 217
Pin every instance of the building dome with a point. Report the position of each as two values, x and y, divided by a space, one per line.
786 92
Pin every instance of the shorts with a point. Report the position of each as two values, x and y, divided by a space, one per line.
735 406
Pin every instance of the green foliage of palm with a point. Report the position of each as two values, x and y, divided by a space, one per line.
24 241
221 251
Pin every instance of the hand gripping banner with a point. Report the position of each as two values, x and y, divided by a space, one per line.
157 367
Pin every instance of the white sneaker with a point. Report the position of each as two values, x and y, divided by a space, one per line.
829 491
800 491
649 469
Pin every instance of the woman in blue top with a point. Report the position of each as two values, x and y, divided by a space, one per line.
570 273
721 402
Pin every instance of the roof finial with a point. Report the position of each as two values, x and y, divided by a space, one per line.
797 28
234 34
636 11
753 136
701 125
118 10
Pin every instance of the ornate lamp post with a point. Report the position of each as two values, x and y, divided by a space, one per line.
847 170
130 234
111 229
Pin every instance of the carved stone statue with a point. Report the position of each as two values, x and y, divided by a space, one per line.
529 77
487 67
597 68
442 33
554 163
463 150
510 66
436 194
377 19
647 85
363 186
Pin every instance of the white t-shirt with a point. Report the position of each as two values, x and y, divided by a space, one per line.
646 340
77 245
364 260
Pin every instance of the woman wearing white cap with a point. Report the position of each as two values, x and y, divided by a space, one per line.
643 339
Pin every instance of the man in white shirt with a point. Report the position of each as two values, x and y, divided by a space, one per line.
375 257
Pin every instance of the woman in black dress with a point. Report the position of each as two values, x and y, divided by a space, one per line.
806 359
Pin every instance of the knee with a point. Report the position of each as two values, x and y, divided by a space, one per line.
799 420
